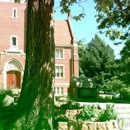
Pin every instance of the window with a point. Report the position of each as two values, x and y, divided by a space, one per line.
14 13
58 90
59 53
59 71
14 40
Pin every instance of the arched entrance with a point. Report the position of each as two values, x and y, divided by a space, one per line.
13 74
13 79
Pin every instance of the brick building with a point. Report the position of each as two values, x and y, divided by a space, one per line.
12 48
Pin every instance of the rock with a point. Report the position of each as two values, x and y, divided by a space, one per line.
7 101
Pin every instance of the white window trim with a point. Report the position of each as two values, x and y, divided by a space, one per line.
63 53
61 91
13 13
63 70
11 44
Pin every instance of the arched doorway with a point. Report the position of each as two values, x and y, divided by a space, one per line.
13 79
13 74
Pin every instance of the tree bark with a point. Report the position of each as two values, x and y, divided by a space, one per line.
35 106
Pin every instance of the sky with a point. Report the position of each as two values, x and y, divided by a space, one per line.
86 28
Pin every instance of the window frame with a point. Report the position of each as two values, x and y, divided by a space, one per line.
11 40
59 57
59 91
59 65
14 13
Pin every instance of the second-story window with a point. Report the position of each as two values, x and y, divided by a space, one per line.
59 71
58 53
14 40
14 13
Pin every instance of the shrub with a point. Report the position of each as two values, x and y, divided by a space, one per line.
108 97
125 94
108 114
71 105
59 119
88 113
4 92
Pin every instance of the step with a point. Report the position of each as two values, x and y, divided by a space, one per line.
124 116
123 111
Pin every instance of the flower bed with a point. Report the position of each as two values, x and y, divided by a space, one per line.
87 117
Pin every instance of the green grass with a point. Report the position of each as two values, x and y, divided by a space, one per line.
6 114
102 100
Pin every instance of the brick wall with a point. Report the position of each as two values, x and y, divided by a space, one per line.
11 26
17 26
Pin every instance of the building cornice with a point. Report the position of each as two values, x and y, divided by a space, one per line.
12 1
64 45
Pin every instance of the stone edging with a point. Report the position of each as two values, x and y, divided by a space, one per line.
112 125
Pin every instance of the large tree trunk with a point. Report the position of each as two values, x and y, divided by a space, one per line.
35 106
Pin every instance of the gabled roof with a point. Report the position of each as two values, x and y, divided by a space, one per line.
63 33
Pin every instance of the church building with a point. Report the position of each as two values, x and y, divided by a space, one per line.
12 48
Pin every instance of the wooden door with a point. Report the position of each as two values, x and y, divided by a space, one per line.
13 79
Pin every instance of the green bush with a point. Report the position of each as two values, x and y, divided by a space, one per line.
59 119
71 105
88 113
4 92
108 114
101 97
125 94
108 97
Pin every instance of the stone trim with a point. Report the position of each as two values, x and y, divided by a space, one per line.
112 125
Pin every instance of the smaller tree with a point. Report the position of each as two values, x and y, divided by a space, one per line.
114 85
94 59
125 59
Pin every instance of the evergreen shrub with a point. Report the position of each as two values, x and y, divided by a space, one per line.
125 94
108 114
88 113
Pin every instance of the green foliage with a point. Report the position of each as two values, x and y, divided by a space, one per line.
94 57
62 119
108 97
125 53
88 113
4 92
113 13
125 61
66 8
71 105
125 94
114 85
59 119
94 61
108 114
